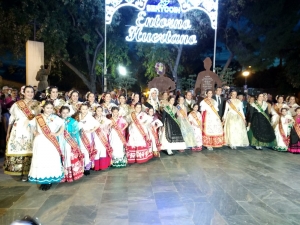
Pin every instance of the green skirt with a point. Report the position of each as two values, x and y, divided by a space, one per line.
254 142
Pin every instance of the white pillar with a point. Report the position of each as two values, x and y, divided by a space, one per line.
34 61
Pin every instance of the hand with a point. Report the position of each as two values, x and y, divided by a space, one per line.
36 134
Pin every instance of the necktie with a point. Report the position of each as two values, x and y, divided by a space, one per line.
219 100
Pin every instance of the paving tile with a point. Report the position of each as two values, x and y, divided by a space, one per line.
220 187
81 215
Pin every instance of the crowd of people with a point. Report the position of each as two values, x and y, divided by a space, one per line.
55 138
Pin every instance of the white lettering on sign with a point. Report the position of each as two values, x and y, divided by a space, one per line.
136 32
163 9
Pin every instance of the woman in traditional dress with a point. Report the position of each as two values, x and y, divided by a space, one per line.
136 99
235 123
70 145
152 130
90 97
153 101
276 110
213 135
138 146
46 167
124 109
268 103
195 119
88 124
164 100
294 146
185 125
73 102
260 132
292 105
171 137
107 105
52 95
117 139
19 137
104 151
283 130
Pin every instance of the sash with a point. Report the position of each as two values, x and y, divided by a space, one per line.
119 132
277 109
154 133
47 132
212 107
261 111
182 112
285 139
73 144
104 141
235 109
87 145
140 128
297 129
24 108
196 118
170 112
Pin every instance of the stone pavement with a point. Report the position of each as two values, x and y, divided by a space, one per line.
210 187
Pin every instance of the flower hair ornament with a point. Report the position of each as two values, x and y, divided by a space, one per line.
22 90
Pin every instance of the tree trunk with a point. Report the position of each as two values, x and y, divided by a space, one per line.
174 71
79 74
227 63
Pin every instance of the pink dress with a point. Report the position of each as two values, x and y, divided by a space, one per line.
294 146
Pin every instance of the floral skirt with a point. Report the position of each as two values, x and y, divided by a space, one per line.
17 165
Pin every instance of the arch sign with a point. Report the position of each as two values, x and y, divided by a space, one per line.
163 22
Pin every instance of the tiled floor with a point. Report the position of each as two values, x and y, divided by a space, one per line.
211 187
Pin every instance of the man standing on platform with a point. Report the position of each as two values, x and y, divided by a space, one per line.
189 101
220 100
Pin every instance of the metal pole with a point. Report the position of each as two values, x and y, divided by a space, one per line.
215 50
215 41
105 37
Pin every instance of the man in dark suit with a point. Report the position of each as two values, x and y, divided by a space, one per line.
220 100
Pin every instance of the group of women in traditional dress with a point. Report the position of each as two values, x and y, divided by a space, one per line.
60 141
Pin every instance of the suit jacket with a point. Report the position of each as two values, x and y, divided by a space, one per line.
189 107
115 101
221 106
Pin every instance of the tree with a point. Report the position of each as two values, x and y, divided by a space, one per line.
187 84
125 83
171 55
270 35
226 76
70 29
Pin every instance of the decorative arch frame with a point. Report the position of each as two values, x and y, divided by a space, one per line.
210 7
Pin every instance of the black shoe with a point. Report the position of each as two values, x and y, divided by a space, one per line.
87 172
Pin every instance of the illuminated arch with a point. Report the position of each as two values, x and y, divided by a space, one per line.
210 7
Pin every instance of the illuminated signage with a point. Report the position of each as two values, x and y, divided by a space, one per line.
135 33
152 24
